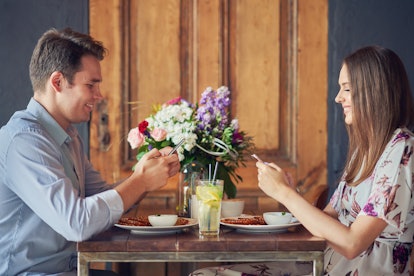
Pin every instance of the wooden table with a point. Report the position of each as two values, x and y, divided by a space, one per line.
119 245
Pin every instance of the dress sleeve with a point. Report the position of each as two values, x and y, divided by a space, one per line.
391 195
336 196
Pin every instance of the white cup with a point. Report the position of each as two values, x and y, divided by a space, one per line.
194 207
232 207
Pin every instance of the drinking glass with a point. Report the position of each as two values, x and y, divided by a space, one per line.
209 194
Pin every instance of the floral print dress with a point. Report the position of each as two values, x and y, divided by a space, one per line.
387 194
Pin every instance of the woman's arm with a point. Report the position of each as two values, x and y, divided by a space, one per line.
348 241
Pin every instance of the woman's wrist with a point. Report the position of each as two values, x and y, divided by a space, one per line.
289 195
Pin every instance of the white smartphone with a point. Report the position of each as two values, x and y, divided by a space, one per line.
259 159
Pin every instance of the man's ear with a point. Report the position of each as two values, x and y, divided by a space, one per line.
56 81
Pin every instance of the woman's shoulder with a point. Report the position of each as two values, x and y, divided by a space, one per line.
400 148
402 136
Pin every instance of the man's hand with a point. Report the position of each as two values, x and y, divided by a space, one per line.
151 173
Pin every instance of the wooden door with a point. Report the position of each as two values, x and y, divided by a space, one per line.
272 54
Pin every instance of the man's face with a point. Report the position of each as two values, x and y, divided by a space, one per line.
76 100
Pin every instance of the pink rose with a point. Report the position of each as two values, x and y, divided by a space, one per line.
158 134
135 138
174 101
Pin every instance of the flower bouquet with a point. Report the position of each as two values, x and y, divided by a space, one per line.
211 137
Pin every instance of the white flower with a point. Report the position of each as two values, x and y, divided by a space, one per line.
177 121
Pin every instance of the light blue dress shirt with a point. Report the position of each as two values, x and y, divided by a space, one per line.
50 195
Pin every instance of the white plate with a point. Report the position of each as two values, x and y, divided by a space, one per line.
153 230
262 228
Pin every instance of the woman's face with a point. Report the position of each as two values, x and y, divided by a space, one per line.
344 94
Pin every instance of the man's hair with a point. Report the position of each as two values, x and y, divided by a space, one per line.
61 51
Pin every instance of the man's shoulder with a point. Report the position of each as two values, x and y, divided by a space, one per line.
22 121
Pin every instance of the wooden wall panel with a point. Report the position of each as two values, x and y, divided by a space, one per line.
254 56
312 95
155 54
208 56
106 26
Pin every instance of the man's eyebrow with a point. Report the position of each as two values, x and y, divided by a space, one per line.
96 80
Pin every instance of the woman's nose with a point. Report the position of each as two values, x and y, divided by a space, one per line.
339 98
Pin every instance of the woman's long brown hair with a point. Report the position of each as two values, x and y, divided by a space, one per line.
381 103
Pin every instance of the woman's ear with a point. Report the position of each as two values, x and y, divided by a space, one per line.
56 81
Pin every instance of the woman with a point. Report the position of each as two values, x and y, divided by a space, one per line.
369 221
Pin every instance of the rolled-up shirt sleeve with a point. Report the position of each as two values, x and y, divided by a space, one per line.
115 204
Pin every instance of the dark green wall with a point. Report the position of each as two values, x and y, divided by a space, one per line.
22 22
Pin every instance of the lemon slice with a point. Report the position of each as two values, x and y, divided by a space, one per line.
209 195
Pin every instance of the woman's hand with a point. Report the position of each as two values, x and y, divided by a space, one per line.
273 180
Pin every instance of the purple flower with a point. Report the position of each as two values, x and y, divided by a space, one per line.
212 113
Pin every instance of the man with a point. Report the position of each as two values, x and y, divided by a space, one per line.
50 195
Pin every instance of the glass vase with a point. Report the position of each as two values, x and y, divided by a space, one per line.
186 187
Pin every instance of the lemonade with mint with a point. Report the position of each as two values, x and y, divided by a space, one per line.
209 194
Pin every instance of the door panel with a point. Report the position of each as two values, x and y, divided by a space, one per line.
254 69
271 54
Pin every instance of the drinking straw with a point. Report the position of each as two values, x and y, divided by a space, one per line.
209 178
215 171
209 218
214 177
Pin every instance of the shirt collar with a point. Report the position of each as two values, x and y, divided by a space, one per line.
49 123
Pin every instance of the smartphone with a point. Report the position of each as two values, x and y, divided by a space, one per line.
259 159
176 147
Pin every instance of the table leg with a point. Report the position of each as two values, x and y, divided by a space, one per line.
83 265
318 266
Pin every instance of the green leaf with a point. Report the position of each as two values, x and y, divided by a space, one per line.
229 187
140 154
165 143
